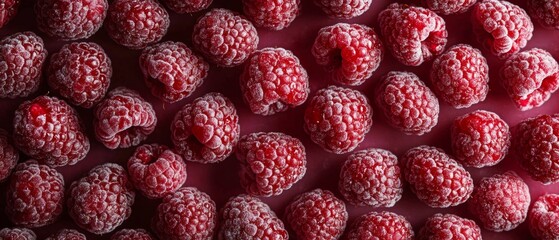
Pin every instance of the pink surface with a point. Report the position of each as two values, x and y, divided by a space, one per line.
220 181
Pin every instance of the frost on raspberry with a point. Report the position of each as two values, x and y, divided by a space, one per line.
8 10
67 234
447 7
191 6
17 234
380 225
448 227
543 218
274 15
9 156
344 9
544 11
132 234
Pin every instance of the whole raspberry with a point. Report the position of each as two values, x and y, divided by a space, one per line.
480 139
81 72
17 234
380 225
435 178
246 217
413 34
500 202
70 19
317 214
274 15
137 23
371 178
447 7
8 10
530 77
501 27
172 71
543 11
185 214
460 76
207 129
67 234
132 234
449 227
49 130
9 156
225 38
337 119
344 9
123 119
407 103
21 62
543 218
156 170
190 6
352 52
100 201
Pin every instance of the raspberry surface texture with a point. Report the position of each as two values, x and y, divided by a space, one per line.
191 6
8 10
9 156
274 15
544 12
131 234
447 7
380 225
17 234
344 9
449 227
543 218
67 234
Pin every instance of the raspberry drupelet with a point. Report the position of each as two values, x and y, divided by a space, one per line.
344 9
8 10
449 227
447 7
543 218
67 234
543 11
380 225
274 15
9 156
191 6
17 234
132 234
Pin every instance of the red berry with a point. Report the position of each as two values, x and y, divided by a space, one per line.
543 11
17 234
8 10
9 156
449 227
352 52
447 7
190 6
131 234
274 15
344 9
123 119
67 234
544 217
273 80
380 225
207 129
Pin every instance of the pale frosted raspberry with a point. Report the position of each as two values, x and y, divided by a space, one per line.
344 9
9 156
272 14
380 225
543 218
449 227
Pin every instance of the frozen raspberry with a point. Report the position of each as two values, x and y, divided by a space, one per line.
123 119
380 225
100 201
246 217
9 156
17 234
544 217
137 23
49 130
460 76
185 214
435 178
172 71
81 72
273 80
449 227
407 103
352 52
67 234
337 119
21 61
190 6
317 215
274 15
8 10
480 139
530 77
413 34
544 11
207 129
447 7
225 37
344 9
131 234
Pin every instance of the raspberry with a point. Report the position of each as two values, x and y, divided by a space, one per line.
407 103
100 201
435 178
155 170
21 61
460 76
81 72
137 23
544 217
9 156
8 10
530 77
501 27
317 214
344 9
191 6
270 162
337 119
352 52
185 214
131 234
274 15
545 12
480 139
500 202
67 234
49 130
447 7
17 234
70 19
449 227
172 71
413 34
123 119
246 217
225 38
380 225
207 129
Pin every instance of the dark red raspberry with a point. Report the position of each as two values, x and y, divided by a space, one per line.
449 227
544 217
435 178
172 71
460 76
100 201
8 10
317 214
275 14
132 234
447 7
500 202
273 80
9 156
137 23
407 103
352 52
21 61
530 77
413 34
543 11
480 139
207 129
81 72
190 6
185 214
67 234
49 130
225 37
123 119
17 234
246 217
344 9
270 162
337 119
380 225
